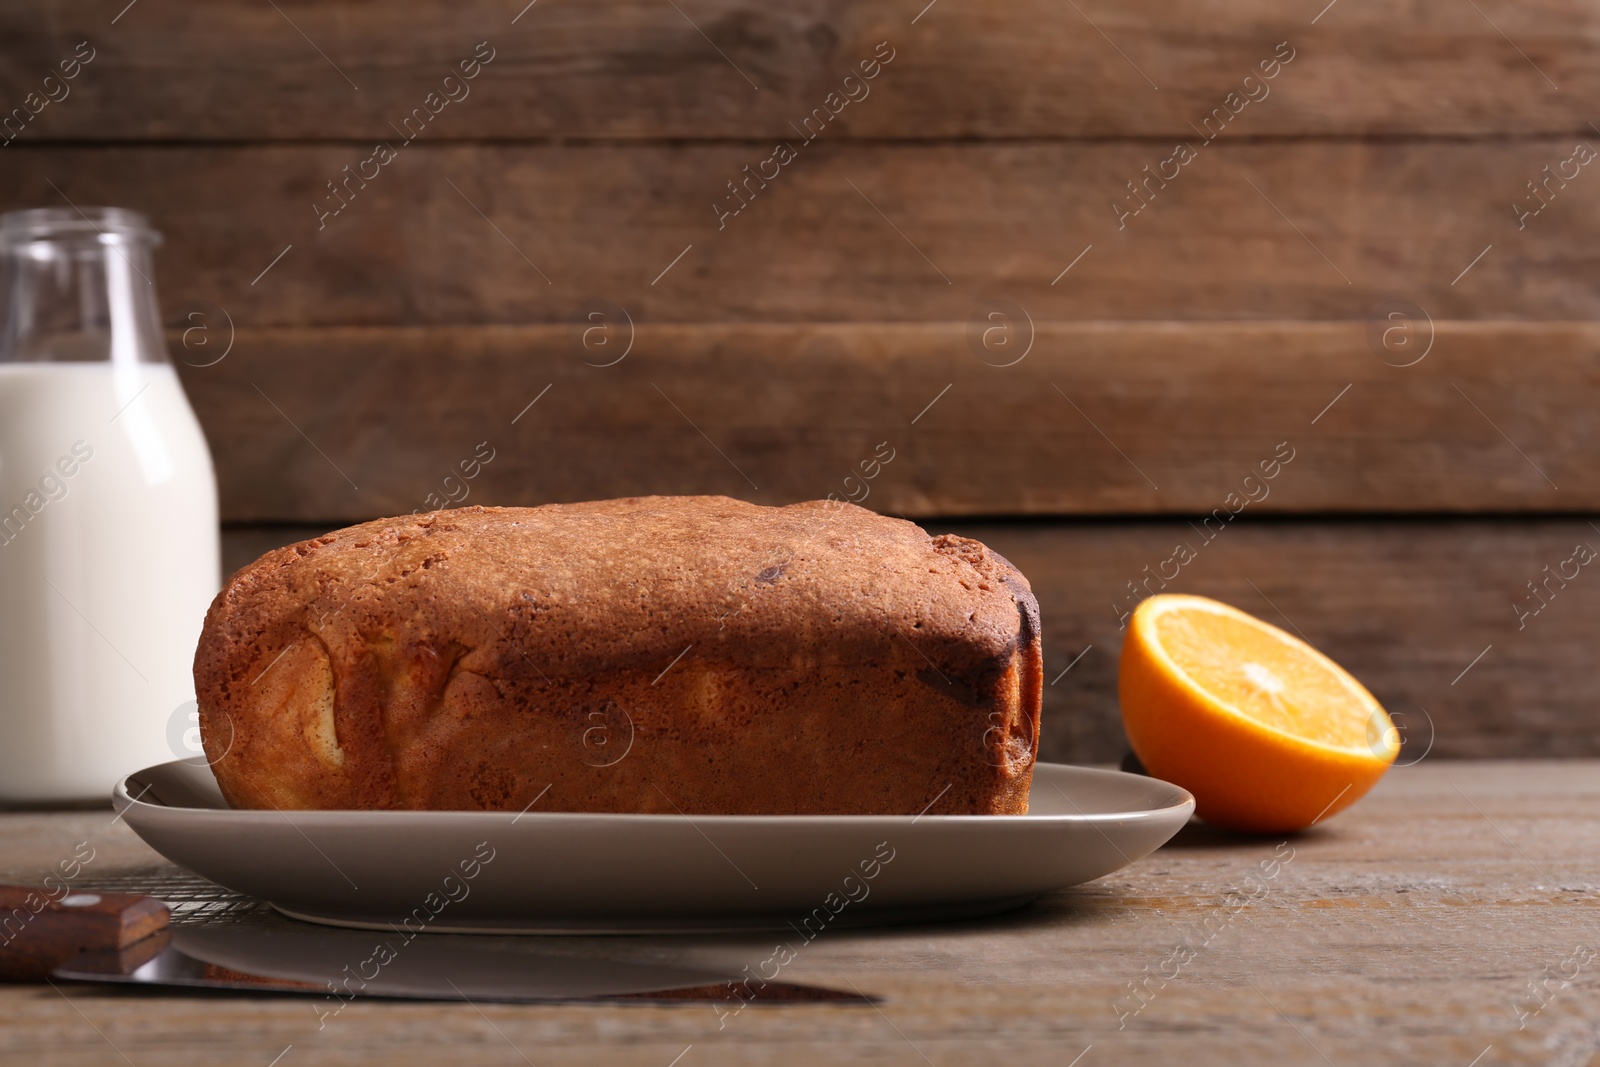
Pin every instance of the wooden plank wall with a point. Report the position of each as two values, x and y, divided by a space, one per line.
1081 267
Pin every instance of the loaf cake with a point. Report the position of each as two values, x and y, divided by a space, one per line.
698 655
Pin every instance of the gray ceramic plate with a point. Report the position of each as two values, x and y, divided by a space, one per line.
456 871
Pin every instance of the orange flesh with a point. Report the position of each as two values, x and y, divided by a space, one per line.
1284 686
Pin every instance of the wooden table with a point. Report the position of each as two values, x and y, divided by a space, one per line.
1451 918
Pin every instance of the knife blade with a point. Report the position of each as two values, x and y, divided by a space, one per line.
127 938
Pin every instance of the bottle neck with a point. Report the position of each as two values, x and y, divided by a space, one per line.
77 299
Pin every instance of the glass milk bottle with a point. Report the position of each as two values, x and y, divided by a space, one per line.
108 509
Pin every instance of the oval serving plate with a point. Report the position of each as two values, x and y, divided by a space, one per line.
461 871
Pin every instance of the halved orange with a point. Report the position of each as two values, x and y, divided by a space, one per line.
1268 733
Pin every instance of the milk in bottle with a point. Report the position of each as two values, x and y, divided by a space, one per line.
108 509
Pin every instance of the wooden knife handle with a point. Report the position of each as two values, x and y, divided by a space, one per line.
40 929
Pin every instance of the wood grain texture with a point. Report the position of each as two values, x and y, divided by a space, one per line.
1407 930
741 69
1097 418
847 232
1406 605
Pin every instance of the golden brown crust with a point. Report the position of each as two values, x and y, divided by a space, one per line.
650 654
